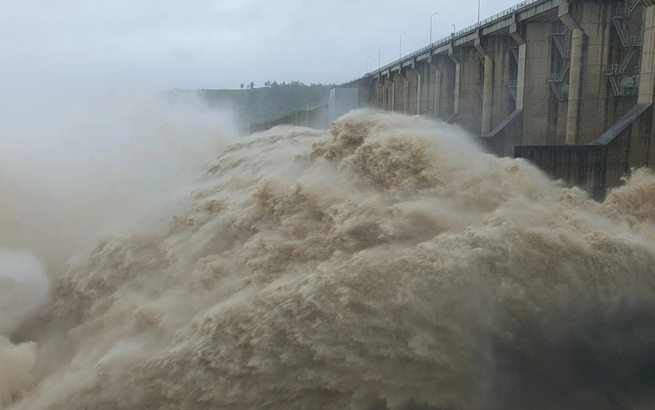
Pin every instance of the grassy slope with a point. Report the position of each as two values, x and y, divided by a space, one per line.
263 104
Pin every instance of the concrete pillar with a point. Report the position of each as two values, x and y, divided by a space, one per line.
520 80
574 87
389 94
487 94
368 92
487 90
520 75
427 84
411 88
437 89
458 74
597 48
418 90
604 88
471 79
386 103
392 95
404 94
575 73
537 110
379 94
399 93
647 76
642 132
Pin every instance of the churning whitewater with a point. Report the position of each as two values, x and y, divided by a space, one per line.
388 263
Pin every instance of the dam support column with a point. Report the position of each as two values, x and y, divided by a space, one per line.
538 116
508 133
399 93
487 88
574 87
412 91
415 76
378 101
457 82
520 75
575 74
438 74
646 90
404 96
647 72
471 88
390 92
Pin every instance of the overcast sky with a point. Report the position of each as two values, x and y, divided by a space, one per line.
112 45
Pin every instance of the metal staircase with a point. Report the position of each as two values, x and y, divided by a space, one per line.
625 11
515 53
512 84
561 37
624 84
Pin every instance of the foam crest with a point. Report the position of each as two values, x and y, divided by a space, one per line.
386 264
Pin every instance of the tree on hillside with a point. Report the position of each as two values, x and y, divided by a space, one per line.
242 86
265 104
252 85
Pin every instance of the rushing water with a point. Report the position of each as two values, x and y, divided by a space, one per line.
387 263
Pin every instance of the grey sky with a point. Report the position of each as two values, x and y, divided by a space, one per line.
153 45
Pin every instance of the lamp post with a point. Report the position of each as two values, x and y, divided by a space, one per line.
478 11
433 14
379 52
367 57
400 46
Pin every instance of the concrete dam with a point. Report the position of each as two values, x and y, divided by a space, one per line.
568 85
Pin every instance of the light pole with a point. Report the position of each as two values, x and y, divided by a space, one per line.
478 11
433 14
367 57
400 46
453 29
379 52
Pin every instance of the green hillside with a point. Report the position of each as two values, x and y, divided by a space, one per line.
256 105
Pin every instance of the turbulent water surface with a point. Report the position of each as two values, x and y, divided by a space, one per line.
386 264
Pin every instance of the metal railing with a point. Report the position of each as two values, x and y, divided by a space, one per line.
613 69
515 53
454 35
626 59
557 77
560 94
617 69
559 29
620 91
632 6
626 40
624 11
564 48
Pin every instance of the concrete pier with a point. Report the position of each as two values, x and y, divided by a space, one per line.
542 74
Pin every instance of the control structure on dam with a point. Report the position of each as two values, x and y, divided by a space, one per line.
568 85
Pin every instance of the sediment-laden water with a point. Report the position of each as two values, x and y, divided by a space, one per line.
387 263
